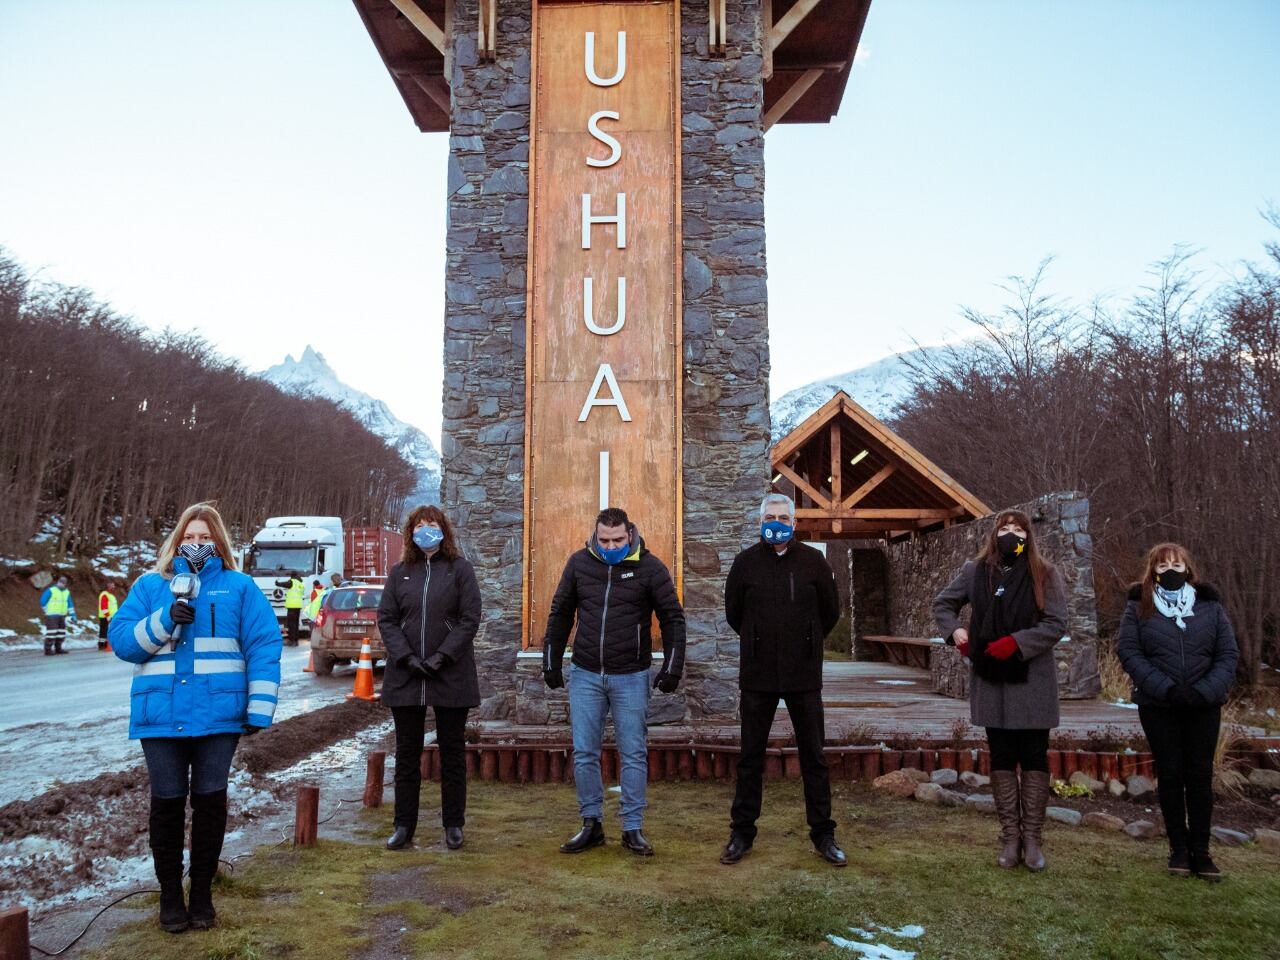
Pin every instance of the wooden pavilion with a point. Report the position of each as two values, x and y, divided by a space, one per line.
855 479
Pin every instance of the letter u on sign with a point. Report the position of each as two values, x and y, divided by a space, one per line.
591 60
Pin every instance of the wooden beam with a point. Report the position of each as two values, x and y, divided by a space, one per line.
448 49
766 16
893 515
806 429
791 97
883 474
803 484
437 90
425 25
790 20
836 463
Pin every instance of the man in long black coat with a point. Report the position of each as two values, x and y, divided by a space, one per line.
781 599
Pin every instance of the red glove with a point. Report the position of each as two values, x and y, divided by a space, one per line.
1002 649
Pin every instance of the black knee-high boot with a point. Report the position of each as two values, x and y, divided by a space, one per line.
208 825
167 823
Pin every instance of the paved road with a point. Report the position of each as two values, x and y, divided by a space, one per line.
67 718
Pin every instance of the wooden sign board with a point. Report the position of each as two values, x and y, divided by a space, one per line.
603 348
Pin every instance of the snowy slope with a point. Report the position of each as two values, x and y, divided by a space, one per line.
879 386
312 376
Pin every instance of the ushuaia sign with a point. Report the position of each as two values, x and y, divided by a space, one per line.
603 361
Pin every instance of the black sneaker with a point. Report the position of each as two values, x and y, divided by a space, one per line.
1180 862
1202 866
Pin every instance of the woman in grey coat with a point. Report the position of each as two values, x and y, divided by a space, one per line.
1018 614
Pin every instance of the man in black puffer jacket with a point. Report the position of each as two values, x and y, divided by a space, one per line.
613 587
780 597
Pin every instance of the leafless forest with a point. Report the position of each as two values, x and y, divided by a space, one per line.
1162 409
116 430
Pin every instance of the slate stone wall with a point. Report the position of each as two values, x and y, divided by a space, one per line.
726 334
920 568
726 360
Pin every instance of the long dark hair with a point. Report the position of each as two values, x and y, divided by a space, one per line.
990 552
448 548
1162 551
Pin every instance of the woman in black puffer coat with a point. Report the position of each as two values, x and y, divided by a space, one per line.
428 617
1177 645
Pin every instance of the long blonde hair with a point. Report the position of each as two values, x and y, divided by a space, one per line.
221 539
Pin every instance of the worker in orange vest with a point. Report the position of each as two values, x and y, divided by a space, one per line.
107 606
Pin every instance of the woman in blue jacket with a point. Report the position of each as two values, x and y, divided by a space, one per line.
1177 645
208 670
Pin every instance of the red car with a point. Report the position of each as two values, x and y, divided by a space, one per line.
347 616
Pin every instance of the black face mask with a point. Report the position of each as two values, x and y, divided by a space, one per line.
1011 546
1172 580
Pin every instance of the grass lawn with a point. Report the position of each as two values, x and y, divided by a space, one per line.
510 894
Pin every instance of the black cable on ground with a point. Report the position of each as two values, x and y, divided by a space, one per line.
120 899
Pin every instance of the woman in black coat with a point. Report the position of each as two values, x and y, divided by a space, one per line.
428 617
1177 645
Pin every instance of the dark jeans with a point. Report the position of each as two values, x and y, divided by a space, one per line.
807 720
1011 749
451 724
291 616
1183 740
179 765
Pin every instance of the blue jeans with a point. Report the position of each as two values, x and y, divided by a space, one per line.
591 698
207 759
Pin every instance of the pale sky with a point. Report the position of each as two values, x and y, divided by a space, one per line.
246 168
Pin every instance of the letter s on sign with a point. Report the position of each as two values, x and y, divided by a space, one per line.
593 128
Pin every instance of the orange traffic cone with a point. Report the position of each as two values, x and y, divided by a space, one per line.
311 663
364 675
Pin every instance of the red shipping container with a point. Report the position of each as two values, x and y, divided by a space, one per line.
370 551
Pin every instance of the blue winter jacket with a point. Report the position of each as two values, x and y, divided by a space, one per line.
225 671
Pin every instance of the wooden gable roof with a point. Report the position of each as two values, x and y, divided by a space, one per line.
854 478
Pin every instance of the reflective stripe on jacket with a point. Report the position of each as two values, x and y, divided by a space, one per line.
225 669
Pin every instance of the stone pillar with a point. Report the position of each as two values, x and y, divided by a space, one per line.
482 448
726 351
726 334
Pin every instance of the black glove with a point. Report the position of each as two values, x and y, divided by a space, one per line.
249 729
413 663
1183 696
435 663
666 682
553 678
181 612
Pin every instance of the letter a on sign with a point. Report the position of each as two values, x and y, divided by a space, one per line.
605 375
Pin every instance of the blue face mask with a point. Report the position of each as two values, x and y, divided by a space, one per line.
428 538
775 531
615 556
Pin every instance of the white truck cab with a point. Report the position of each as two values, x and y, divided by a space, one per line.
311 547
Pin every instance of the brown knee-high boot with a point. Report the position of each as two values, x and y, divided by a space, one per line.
1035 797
1004 787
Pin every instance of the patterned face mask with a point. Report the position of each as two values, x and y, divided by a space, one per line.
197 553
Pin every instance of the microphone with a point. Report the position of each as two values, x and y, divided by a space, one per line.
185 587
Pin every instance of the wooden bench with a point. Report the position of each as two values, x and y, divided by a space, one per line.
905 651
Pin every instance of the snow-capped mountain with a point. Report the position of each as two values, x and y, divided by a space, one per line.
879 386
311 375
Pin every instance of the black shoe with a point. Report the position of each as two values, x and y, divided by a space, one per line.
591 835
167 829
1179 862
634 841
734 850
400 838
1202 866
453 838
208 827
830 852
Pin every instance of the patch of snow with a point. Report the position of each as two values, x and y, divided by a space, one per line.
617 789
1125 704
343 753
897 683
873 951
911 931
